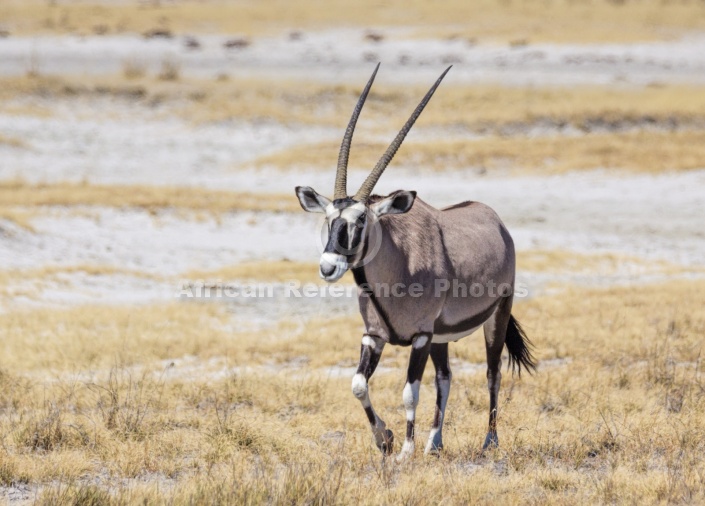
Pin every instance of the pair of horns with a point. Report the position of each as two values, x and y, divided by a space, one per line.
342 174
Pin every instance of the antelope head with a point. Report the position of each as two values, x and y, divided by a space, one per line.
348 218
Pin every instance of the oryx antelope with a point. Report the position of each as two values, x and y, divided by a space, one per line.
402 242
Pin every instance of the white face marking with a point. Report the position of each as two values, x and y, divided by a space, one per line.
353 212
420 341
335 260
350 215
331 211
368 341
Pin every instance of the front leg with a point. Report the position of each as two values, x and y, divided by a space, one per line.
370 353
420 348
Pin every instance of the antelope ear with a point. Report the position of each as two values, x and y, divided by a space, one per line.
398 202
310 200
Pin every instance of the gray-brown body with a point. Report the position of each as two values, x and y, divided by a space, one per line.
463 246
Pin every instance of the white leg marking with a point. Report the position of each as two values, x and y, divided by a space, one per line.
359 389
368 341
420 341
410 396
407 450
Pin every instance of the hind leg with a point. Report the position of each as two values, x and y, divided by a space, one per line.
439 356
420 350
495 334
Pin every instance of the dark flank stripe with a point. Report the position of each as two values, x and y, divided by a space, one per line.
361 281
440 327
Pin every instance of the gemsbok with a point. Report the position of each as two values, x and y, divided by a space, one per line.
426 277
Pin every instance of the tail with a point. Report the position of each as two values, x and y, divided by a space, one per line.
519 348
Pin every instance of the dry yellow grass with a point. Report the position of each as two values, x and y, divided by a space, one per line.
641 151
20 201
563 261
478 108
21 193
486 20
50 272
620 419
20 217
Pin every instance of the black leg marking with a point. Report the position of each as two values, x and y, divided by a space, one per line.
370 414
410 430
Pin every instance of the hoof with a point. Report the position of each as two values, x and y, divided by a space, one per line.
387 446
491 441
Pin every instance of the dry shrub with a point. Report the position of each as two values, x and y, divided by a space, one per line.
127 405
19 193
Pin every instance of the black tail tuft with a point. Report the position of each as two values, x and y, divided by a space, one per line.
519 348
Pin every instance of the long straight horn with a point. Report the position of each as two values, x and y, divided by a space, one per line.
341 175
366 189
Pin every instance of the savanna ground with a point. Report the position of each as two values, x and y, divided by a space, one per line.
119 185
